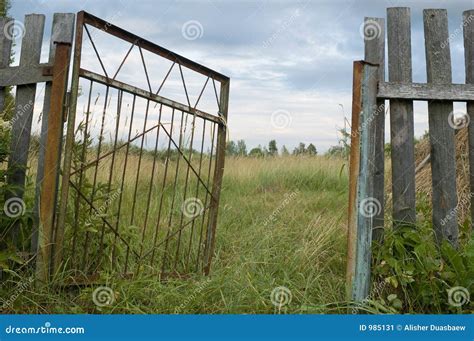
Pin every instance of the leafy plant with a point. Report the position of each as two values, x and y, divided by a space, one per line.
418 276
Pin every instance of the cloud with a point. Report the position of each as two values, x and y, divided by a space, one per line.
291 55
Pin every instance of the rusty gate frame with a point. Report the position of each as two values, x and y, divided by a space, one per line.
83 19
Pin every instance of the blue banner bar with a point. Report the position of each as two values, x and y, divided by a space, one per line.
238 327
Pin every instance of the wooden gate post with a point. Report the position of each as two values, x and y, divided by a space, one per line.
363 205
51 160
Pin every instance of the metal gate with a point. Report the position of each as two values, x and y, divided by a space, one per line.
141 172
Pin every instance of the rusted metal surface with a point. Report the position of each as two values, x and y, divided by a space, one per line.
147 45
219 171
69 141
145 94
51 159
148 156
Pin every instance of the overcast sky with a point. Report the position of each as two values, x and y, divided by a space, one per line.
290 62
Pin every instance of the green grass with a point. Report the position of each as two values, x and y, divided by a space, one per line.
282 223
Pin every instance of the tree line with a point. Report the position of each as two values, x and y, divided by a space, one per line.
239 148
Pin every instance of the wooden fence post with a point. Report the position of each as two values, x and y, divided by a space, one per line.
468 25
374 38
443 154
363 206
401 118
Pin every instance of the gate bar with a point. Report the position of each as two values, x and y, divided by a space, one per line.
107 27
218 174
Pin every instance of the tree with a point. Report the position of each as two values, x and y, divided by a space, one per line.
284 151
272 148
311 150
337 151
300 150
4 7
241 148
231 148
256 152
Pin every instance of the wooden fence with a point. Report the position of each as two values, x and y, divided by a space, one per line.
366 199
25 77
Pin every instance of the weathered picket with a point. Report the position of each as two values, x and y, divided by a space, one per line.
24 104
401 116
365 204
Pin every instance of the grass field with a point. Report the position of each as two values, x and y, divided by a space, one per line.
281 223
